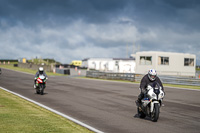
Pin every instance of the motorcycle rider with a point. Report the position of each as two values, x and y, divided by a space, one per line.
39 72
151 77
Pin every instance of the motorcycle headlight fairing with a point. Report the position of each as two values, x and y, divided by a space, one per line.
161 95
153 95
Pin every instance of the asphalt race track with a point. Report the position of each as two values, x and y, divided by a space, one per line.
109 106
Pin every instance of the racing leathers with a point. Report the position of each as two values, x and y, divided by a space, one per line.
143 85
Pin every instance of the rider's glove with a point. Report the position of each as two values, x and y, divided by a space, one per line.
144 91
35 78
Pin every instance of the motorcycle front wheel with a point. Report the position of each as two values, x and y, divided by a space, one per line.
155 113
41 89
37 91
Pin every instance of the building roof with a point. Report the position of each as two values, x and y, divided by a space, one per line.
108 59
123 58
161 52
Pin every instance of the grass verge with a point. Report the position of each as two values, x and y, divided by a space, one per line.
182 86
165 85
20 116
29 70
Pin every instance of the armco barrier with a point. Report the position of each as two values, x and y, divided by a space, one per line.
63 71
138 77
109 75
180 80
71 71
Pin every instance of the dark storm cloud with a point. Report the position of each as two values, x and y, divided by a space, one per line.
183 14
168 13
145 11
74 27
37 11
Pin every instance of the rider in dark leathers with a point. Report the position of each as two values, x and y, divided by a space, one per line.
148 79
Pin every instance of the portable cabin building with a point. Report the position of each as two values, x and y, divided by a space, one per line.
166 63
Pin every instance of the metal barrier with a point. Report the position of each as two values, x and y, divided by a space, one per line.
109 75
180 80
138 77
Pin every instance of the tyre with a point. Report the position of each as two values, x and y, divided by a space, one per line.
155 113
42 92
140 113
41 89
37 91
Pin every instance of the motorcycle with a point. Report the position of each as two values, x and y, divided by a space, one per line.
40 84
151 103
0 71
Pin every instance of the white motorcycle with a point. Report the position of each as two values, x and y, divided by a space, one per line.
151 103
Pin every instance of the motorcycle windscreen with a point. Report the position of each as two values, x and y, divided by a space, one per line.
42 77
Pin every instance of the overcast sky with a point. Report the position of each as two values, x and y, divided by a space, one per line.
69 30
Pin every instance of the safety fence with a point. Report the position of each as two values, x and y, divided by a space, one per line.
71 71
138 77
110 75
180 80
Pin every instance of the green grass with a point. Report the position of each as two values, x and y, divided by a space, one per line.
182 86
165 85
28 70
20 116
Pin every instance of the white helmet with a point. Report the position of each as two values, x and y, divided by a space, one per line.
41 70
152 74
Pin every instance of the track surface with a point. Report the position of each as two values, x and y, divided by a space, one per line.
109 106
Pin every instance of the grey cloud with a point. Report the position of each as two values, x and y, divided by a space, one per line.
37 11
75 29
169 14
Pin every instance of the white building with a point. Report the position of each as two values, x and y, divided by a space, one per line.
166 63
122 65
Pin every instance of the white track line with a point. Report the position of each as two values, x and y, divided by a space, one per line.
54 111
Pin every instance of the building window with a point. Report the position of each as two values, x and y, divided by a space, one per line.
163 60
116 63
145 60
188 61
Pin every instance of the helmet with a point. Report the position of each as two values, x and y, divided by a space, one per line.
41 70
152 74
